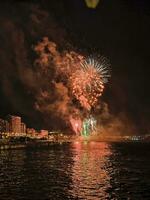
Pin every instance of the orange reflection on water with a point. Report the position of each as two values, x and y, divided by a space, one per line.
90 176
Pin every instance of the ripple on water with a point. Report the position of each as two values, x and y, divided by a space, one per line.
76 171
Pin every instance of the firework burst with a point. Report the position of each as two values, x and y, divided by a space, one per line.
100 66
88 82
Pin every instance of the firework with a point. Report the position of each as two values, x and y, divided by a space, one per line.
88 82
88 126
85 128
68 76
76 124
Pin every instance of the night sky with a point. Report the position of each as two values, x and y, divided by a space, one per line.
119 30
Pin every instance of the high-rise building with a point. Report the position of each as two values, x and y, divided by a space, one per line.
7 127
23 128
14 124
2 125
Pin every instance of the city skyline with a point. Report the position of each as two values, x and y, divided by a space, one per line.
13 126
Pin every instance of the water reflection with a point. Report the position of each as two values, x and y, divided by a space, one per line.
68 171
40 174
90 177
76 171
11 173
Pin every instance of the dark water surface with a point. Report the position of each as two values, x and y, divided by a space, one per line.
76 171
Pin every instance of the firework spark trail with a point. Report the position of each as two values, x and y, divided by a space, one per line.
76 124
88 82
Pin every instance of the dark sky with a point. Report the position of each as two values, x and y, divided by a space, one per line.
118 29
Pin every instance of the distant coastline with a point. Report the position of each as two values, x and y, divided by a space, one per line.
24 142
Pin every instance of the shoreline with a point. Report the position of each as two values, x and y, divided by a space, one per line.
40 144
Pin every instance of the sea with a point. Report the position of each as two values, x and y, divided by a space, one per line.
76 170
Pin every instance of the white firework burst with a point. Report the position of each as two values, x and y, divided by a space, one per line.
101 65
